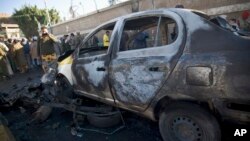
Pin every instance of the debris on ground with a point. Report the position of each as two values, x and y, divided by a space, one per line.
41 114
36 99
22 110
55 125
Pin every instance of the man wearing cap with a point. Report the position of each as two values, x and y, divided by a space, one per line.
46 48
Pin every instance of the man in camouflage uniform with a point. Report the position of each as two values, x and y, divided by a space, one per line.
46 48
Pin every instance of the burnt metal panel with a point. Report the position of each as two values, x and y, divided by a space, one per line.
134 80
226 54
220 59
137 75
199 76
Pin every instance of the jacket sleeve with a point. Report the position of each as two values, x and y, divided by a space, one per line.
4 47
53 38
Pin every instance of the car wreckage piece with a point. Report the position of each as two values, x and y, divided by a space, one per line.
175 66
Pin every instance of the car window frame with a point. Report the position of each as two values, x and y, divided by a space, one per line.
131 40
133 18
157 34
96 30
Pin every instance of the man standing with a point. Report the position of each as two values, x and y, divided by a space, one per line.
10 54
26 48
106 39
65 43
72 41
46 48
244 21
78 39
18 52
34 52
4 63
140 40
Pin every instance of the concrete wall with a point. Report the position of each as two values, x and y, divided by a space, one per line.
87 22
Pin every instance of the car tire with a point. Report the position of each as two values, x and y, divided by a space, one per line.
188 122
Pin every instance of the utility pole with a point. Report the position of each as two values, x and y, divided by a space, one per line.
71 10
153 3
95 6
82 7
47 11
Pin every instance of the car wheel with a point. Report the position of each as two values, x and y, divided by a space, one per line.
188 122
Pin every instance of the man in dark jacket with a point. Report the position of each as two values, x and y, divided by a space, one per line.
26 49
46 48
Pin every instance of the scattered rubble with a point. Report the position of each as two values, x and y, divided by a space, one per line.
56 125
22 110
41 114
41 97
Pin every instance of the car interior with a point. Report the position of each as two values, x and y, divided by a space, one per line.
146 32
94 44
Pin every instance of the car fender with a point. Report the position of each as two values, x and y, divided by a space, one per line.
64 68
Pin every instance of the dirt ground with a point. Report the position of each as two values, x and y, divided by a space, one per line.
58 127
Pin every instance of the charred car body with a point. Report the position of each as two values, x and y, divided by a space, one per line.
175 66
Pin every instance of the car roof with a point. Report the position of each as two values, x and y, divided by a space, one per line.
176 10
156 11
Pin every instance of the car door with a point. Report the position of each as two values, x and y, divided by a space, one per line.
148 51
90 69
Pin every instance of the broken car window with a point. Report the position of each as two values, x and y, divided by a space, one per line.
168 31
139 33
98 43
142 33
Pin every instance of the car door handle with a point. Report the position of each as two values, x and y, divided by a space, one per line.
100 69
157 68
153 69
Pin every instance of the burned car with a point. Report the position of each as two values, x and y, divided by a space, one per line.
175 66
